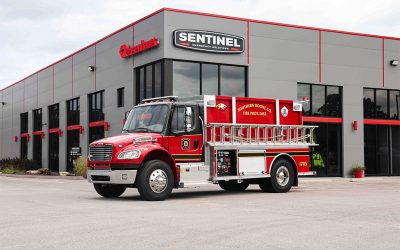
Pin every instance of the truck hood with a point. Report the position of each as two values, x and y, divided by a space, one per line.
127 139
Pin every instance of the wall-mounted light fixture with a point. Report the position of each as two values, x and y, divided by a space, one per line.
3 103
91 68
394 62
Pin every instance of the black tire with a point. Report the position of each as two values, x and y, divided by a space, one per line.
233 186
109 191
282 177
156 172
265 185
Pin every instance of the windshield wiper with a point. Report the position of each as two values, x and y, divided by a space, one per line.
142 129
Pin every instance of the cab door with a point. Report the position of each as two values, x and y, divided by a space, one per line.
185 139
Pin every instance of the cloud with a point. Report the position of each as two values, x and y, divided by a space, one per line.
36 33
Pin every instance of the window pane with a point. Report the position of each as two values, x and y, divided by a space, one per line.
149 81
333 101
177 119
303 91
369 103
120 97
186 78
98 101
141 84
381 103
157 79
394 96
209 77
232 80
318 100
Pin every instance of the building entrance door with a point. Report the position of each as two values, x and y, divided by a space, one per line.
96 133
72 142
382 150
37 149
54 152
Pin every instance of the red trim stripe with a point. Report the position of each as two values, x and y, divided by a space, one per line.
383 62
285 150
248 42
279 24
90 45
322 119
320 55
381 122
25 135
99 124
210 15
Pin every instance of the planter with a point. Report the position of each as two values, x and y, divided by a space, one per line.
359 174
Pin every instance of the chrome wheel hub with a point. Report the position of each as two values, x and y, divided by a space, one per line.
282 175
158 181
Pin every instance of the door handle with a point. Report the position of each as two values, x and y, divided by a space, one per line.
196 144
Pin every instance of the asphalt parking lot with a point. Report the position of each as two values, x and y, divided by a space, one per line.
319 214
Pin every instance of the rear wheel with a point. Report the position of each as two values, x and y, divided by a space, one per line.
282 177
233 186
155 180
109 191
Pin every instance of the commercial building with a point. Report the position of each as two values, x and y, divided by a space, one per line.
352 81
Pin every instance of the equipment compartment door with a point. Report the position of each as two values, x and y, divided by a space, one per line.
251 162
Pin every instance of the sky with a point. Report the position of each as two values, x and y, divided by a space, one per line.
36 33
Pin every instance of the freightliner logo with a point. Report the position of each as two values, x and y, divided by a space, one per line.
209 41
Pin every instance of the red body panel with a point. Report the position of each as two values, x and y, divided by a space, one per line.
229 110
185 148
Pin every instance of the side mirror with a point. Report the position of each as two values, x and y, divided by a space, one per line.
188 119
127 114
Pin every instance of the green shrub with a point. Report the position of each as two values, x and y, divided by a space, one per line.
8 171
18 164
80 166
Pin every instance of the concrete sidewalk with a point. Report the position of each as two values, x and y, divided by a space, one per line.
383 179
43 176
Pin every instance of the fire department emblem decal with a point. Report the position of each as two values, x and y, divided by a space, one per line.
185 143
221 106
284 111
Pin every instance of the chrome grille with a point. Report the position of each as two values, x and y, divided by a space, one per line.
100 153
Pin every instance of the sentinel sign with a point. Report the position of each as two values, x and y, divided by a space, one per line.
208 41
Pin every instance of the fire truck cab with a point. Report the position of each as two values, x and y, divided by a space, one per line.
172 142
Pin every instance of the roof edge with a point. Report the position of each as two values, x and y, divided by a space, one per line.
209 15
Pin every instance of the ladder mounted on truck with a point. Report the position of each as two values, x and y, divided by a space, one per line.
260 134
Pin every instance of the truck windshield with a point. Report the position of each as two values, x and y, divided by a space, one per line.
146 119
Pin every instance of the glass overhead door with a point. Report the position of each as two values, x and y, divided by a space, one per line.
395 150
54 141
382 149
326 157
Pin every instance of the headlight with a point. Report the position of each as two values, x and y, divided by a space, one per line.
129 154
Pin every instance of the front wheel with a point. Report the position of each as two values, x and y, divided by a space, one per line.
233 186
155 180
109 191
282 177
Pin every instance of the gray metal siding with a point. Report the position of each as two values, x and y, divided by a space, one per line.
279 57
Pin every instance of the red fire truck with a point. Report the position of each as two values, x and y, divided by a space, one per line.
172 142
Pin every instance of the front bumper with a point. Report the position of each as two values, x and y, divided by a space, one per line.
112 176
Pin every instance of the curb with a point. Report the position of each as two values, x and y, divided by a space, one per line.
43 176
367 179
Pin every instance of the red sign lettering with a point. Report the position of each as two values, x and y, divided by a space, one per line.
126 51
